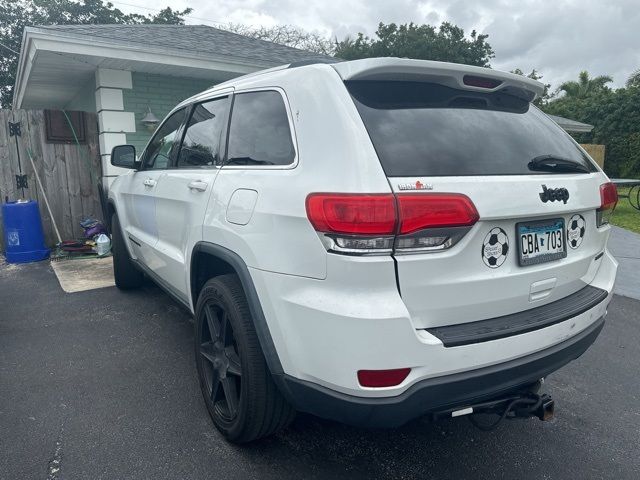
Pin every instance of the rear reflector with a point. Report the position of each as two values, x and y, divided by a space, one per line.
382 378
608 201
435 210
482 82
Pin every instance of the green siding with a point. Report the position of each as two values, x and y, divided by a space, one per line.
159 92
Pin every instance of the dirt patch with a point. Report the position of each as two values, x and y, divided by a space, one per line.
8 269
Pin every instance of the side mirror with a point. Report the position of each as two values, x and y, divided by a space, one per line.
124 156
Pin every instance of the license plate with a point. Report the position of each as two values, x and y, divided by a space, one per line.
541 241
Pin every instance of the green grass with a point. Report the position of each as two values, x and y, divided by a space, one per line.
625 215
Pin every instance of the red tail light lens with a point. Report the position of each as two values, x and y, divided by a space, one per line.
608 196
352 214
382 378
371 224
608 202
435 210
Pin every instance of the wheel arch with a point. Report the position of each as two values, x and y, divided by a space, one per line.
209 260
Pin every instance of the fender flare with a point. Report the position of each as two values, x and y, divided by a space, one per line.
257 314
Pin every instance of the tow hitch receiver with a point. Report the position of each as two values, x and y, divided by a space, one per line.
521 405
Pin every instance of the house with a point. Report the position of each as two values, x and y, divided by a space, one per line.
132 75
571 126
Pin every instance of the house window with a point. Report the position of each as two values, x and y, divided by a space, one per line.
58 129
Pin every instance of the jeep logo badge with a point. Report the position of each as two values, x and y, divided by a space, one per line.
553 194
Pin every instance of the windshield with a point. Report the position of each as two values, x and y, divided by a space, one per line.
426 129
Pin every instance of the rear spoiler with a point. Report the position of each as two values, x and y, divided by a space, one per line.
454 75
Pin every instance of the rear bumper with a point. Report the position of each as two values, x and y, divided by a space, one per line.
439 393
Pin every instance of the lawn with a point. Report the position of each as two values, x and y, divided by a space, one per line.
625 215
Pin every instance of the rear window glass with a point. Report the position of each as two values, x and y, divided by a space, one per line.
426 129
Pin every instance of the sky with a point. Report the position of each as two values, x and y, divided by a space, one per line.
559 38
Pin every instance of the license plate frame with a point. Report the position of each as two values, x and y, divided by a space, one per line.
541 226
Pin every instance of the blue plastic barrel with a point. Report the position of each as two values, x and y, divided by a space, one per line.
23 237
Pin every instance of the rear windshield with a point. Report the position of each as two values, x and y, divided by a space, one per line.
426 129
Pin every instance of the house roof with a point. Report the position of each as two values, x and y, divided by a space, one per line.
200 40
571 126
57 62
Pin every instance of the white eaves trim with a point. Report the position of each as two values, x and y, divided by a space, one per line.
35 40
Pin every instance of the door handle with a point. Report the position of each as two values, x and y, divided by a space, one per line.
198 185
149 182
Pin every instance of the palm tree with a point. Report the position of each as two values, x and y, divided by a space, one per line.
634 79
585 86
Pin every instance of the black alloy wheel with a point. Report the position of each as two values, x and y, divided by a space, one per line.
221 366
238 389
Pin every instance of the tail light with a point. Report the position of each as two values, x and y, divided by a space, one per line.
608 201
433 221
381 224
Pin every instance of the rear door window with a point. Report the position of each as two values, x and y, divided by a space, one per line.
259 132
427 129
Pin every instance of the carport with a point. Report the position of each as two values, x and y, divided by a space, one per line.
132 75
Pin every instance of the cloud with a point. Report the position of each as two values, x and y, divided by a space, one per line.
559 38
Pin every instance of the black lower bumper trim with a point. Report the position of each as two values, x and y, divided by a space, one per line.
521 322
436 394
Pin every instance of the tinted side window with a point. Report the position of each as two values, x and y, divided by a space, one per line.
203 139
159 151
259 132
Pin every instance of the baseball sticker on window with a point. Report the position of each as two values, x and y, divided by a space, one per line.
495 248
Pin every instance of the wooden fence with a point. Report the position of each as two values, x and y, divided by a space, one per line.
69 172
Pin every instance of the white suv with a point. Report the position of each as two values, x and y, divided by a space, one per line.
368 241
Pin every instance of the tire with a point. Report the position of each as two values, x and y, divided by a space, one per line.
125 273
240 395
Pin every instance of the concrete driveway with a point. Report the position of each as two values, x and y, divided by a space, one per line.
102 384
625 246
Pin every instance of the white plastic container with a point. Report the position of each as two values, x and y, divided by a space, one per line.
103 244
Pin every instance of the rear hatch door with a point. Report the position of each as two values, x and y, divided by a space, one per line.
536 192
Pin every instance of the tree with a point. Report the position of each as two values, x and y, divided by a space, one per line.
634 79
616 119
286 35
586 86
445 43
534 75
15 15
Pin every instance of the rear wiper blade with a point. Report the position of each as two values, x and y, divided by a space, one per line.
553 163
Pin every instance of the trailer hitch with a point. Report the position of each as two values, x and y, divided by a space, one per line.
519 405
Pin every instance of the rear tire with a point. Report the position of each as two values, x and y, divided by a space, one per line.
240 395
125 273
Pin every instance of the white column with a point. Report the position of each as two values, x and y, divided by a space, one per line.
113 122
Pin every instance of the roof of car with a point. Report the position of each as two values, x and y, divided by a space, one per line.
403 69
